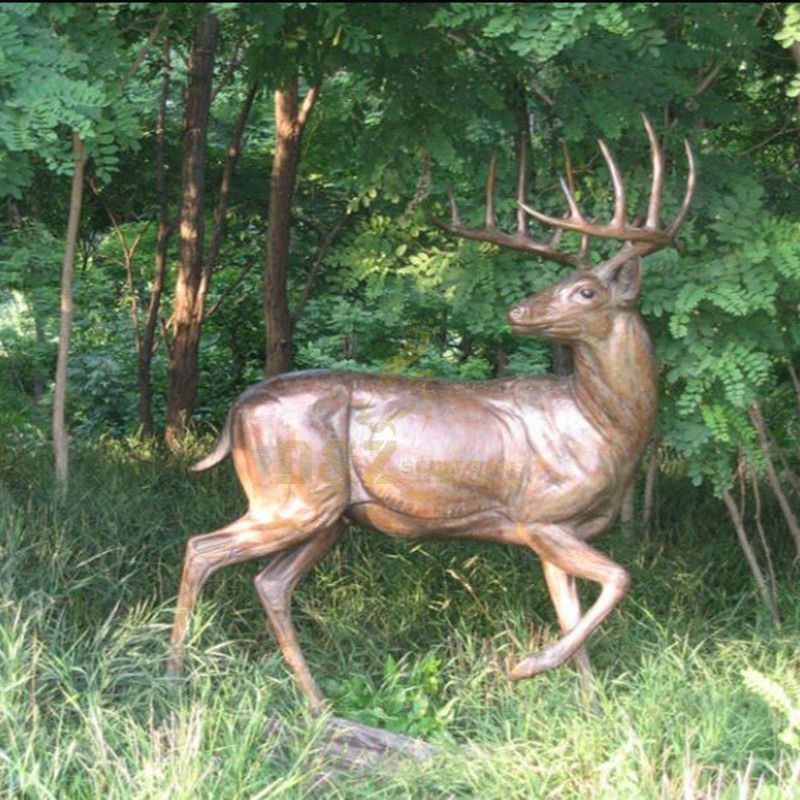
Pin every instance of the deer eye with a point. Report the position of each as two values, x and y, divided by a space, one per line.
586 293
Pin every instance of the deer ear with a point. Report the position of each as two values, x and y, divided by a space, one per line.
626 281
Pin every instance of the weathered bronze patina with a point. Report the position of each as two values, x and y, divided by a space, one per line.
541 462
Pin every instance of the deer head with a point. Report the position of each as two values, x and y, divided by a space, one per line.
581 306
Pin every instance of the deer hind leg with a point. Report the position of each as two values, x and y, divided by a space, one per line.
561 548
563 590
275 585
248 537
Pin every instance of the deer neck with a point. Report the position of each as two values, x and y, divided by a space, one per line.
614 380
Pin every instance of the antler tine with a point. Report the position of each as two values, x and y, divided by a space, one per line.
637 239
583 251
687 198
657 155
519 240
618 220
490 182
643 248
574 211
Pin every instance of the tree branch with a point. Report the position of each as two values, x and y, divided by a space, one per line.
230 289
128 254
308 104
233 64
317 265
234 150
137 61
165 336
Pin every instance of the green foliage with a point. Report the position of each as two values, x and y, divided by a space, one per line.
783 697
414 98
409 699
61 70
789 37
29 257
729 333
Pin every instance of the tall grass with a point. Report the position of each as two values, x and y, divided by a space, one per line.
415 638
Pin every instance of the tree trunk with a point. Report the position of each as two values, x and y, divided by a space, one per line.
763 439
145 380
60 437
290 120
650 487
231 160
499 362
773 581
796 57
738 523
188 311
795 382
628 499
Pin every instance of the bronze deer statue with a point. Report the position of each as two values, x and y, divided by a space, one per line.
541 462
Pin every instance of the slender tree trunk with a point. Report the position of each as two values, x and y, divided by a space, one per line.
738 523
650 487
761 431
499 361
626 512
795 383
60 437
223 196
290 120
188 312
796 57
145 360
773 581
328 241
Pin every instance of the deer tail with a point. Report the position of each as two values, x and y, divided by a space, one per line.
220 451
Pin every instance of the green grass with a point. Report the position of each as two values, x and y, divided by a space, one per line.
415 638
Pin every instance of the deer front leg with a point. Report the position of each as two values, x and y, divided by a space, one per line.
560 547
275 586
563 590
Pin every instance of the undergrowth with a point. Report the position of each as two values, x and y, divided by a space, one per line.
696 690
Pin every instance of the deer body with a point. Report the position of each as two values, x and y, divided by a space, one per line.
541 462
400 455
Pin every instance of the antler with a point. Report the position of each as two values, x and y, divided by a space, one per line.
520 240
639 239
645 239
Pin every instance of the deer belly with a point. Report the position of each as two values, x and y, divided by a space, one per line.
430 464
488 526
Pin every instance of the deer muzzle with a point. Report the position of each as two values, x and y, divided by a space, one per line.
526 318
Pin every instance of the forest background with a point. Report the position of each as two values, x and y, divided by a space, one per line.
197 195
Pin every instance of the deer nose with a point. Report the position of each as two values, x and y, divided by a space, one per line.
517 313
